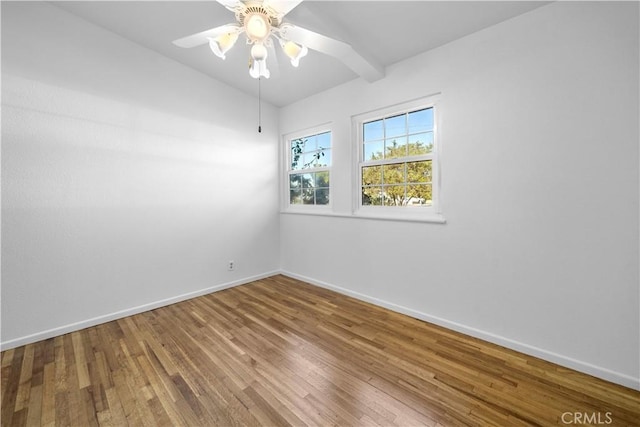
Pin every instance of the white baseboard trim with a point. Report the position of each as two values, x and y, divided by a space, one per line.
568 362
72 327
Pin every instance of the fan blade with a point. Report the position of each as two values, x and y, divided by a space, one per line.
282 6
203 37
230 4
367 69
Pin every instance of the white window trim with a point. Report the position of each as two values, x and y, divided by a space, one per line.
432 213
287 207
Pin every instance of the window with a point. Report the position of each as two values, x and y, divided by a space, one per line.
397 161
309 163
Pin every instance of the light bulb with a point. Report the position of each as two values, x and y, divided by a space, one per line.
257 26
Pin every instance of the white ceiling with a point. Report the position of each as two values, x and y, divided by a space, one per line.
384 31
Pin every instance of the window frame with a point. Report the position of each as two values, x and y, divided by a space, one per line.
287 206
431 213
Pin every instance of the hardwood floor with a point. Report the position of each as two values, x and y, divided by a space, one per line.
281 352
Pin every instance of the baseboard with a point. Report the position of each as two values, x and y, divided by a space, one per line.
72 327
568 362
597 371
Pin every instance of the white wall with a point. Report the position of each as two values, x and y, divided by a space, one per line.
539 190
128 180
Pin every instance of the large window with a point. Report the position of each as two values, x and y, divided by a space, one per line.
309 163
397 160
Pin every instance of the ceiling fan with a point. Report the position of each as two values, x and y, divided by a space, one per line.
262 23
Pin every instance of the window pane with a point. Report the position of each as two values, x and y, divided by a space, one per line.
373 151
421 121
421 143
371 175
394 195
310 143
308 196
295 196
297 148
419 171
372 196
322 179
298 144
308 181
311 160
419 195
295 181
395 126
396 147
372 131
393 174
323 140
322 196
324 159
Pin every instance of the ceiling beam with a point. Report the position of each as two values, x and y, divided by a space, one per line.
334 40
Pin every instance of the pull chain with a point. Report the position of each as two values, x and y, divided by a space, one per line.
259 108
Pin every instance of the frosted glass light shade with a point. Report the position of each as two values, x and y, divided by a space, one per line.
259 52
294 51
259 69
221 44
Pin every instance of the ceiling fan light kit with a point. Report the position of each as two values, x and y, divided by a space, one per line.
261 22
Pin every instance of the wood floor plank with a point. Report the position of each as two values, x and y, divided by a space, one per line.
48 413
279 352
10 386
24 387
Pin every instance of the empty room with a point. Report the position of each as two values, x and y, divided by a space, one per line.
321 213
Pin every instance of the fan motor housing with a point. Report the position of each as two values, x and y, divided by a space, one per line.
249 9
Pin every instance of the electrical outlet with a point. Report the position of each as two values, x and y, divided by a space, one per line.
231 266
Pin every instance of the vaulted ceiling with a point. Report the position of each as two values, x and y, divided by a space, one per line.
385 32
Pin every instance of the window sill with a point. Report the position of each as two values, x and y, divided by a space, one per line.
428 218
405 216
